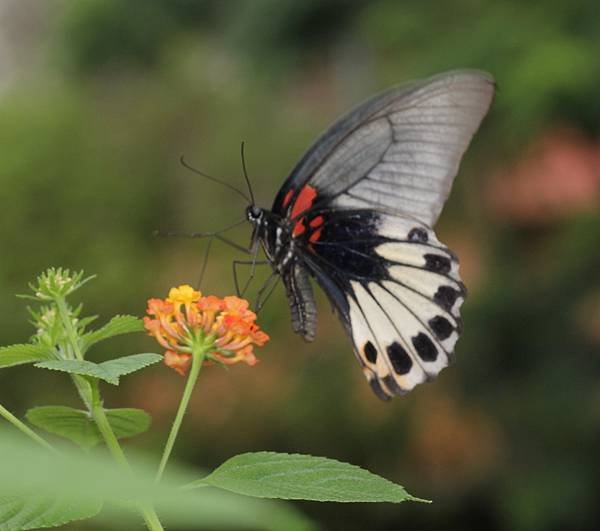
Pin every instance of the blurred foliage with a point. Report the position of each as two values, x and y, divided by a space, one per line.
91 131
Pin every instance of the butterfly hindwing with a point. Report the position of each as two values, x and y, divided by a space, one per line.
389 270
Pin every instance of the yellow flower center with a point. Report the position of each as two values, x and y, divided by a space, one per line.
184 294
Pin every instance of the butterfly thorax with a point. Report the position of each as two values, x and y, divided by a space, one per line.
275 235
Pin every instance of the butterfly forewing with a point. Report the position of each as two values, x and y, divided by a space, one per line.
400 149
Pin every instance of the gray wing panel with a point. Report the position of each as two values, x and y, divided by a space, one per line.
401 150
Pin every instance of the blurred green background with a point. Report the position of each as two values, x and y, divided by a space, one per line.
98 100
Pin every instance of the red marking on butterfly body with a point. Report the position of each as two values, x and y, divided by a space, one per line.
299 228
303 202
316 222
314 237
287 197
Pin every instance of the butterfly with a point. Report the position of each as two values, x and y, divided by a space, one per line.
356 214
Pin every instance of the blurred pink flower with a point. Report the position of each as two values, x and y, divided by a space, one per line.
557 177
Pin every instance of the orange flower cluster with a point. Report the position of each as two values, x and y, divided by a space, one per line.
224 328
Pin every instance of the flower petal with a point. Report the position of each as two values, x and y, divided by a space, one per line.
180 362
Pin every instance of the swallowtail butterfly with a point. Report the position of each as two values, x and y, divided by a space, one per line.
356 214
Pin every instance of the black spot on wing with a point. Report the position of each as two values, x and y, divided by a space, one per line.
377 389
417 234
370 352
400 359
437 263
446 296
425 348
441 326
392 385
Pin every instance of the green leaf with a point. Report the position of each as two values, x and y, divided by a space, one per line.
128 421
301 477
84 322
120 324
78 426
73 424
109 371
128 364
26 353
35 512
77 477
83 368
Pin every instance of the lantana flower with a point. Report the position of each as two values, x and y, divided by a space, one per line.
186 322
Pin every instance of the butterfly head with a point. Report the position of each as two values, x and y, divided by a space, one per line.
254 214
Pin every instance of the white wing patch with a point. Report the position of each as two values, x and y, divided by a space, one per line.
374 337
423 309
446 293
405 326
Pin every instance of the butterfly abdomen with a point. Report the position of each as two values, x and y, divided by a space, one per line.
302 302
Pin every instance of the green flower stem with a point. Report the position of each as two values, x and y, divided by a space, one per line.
150 517
84 389
20 425
99 416
198 353
83 386
63 311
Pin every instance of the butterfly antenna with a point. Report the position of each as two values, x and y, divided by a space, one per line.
214 234
214 179
246 173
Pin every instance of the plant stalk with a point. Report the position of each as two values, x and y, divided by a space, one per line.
99 416
198 353
21 426
84 389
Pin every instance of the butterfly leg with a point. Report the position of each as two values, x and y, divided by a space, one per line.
266 291
237 246
205 260
211 236
253 264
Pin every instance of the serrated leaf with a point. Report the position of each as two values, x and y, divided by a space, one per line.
35 512
84 322
120 324
302 477
24 353
109 371
83 368
77 425
128 364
